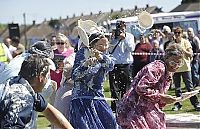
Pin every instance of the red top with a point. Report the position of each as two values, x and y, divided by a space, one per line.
142 48
57 74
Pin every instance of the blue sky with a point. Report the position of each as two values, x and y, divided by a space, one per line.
12 10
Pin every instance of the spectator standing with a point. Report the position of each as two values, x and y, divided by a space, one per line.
195 42
159 36
156 53
20 48
185 35
141 58
165 34
7 41
121 76
5 55
19 98
63 50
184 71
53 42
170 39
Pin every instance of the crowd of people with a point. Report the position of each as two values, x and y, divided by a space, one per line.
66 84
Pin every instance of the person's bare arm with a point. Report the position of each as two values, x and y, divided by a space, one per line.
56 117
189 52
161 33
168 99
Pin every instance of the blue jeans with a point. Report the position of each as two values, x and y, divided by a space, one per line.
187 79
195 72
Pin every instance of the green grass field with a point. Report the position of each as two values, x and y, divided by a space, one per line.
187 107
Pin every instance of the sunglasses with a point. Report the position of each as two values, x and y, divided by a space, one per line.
177 32
60 43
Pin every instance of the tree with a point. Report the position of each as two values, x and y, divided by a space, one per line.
2 26
55 24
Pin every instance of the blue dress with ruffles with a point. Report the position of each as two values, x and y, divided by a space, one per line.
89 109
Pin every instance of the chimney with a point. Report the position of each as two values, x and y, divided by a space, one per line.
147 5
121 10
81 14
111 11
136 7
91 13
34 22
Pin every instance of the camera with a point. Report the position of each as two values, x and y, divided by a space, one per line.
117 32
119 28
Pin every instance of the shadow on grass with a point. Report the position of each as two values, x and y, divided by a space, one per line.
184 109
190 110
40 115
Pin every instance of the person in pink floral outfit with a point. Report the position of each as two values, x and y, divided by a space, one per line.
140 107
63 50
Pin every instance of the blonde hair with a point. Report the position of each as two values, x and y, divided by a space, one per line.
179 29
62 37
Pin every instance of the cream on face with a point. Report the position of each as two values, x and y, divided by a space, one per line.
102 45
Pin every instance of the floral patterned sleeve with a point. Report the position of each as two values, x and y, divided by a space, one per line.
150 84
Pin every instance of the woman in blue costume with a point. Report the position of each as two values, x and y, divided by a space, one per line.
89 109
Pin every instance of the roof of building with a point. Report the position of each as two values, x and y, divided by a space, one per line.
187 7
